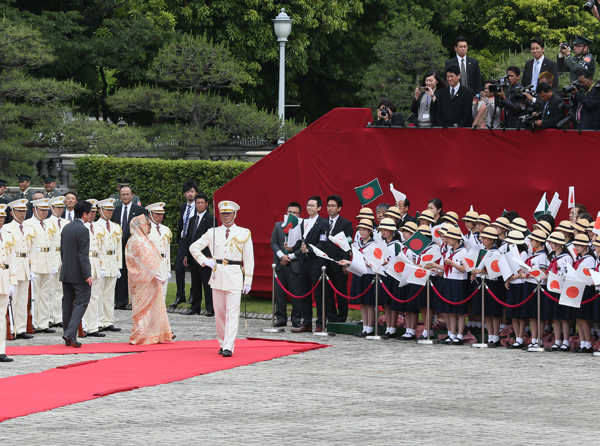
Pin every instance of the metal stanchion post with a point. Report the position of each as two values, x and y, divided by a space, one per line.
482 344
539 322
273 329
323 316
375 335
427 341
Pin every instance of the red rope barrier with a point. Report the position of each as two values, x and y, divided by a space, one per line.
550 297
348 297
456 303
558 300
508 305
297 297
398 300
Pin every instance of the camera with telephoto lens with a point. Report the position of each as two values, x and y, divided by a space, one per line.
569 119
519 95
496 85
564 46
571 88
589 5
529 120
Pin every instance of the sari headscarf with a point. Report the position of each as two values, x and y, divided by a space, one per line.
140 250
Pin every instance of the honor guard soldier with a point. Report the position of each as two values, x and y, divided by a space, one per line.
57 207
24 238
582 59
125 182
90 318
42 267
50 186
8 279
233 267
161 236
26 193
4 197
113 262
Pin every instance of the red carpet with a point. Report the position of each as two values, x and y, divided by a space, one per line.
37 392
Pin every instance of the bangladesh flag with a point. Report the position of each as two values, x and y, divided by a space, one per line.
290 221
542 208
417 243
369 192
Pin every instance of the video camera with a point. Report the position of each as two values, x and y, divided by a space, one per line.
519 95
497 85
528 121
568 89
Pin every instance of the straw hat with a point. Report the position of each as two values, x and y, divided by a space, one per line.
582 240
581 225
485 219
366 213
387 223
454 233
427 215
471 216
365 223
591 226
444 229
409 226
544 226
519 224
489 233
515 237
596 242
502 222
538 235
451 217
565 226
425 230
393 212
556 237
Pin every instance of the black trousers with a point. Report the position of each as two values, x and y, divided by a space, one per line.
289 279
180 272
122 289
200 278
308 278
76 297
340 282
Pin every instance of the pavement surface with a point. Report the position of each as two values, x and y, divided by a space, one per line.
356 392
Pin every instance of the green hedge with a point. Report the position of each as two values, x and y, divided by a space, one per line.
153 180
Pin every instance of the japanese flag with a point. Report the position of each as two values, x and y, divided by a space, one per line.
397 267
595 277
584 275
320 253
515 261
431 256
470 261
571 249
571 203
376 254
435 234
537 273
596 229
416 275
572 292
357 267
471 242
496 266
340 241
555 283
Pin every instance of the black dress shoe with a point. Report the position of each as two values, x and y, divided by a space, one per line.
189 312
24 336
96 334
4 358
177 303
296 325
111 328
128 307
47 330
391 335
71 341
457 342
121 307
227 354
362 334
59 324
280 324
514 345
220 351
210 314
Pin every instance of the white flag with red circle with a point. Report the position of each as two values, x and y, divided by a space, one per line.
497 266
554 283
397 266
357 267
376 253
436 235
416 275
572 293
432 255
596 229
584 275
473 258
595 277
537 273
341 241
320 253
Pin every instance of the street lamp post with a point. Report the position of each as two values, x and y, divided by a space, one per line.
283 27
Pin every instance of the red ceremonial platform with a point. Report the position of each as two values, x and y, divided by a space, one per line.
491 170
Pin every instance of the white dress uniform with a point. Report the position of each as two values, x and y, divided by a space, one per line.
57 296
8 278
112 262
24 238
43 284
161 236
231 250
90 318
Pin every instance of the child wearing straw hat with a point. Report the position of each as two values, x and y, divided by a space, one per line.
414 289
560 315
387 229
516 292
584 314
596 308
469 220
502 226
364 214
410 309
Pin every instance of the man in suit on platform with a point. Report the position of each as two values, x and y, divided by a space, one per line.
538 64
455 102
335 272
123 215
199 224
76 271
554 107
287 272
314 232
468 67
186 213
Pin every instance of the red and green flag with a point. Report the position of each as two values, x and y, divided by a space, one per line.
369 192
418 243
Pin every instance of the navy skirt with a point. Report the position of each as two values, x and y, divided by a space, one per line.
360 284
596 310
530 309
586 312
492 308
421 300
552 310
454 291
390 283
516 294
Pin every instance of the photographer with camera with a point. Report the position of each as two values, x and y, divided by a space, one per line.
582 59
424 106
387 116
513 99
486 109
587 102
554 108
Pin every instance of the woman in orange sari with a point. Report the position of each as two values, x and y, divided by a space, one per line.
150 323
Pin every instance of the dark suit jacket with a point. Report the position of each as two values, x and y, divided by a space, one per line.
457 111
414 108
590 110
547 65
207 222
134 211
75 253
334 251
277 244
316 236
554 112
473 72
182 211
406 218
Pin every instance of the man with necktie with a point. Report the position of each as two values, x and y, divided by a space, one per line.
455 101
539 64
554 107
71 198
470 74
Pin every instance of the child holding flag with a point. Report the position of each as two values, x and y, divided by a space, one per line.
387 229
584 314
539 259
516 291
410 309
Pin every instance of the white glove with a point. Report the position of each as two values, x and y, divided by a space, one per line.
119 276
246 289
102 274
169 274
11 290
210 263
32 276
53 269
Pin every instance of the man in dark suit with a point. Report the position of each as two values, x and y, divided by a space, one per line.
122 216
70 201
314 232
455 107
76 271
186 213
538 64
554 107
199 224
404 207
468 67
587 102
287 272
335 272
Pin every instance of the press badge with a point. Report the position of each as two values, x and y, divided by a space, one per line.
323 238
425 115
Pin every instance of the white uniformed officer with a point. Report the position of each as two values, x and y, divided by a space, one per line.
233 267
8 279
57 205
161 236
90 318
